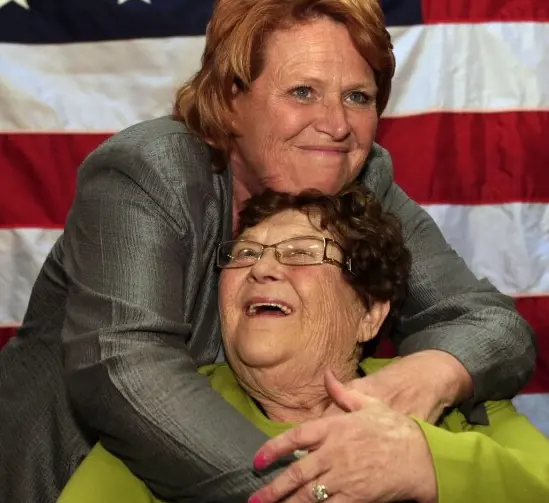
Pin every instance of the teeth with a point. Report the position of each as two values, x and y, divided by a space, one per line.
252 308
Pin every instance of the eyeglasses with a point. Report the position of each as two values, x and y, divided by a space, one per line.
298 251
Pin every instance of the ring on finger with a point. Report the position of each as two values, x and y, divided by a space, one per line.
320 492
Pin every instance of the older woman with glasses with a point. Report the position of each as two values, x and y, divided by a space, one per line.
304 291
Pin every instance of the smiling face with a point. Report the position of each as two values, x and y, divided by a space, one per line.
320 320
309 119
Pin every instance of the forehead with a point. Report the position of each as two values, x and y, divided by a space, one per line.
283 225
309 48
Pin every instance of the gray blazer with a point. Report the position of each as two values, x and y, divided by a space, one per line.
125 308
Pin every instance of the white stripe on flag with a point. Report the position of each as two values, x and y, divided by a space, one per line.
22 253
446 67
508 244
93 86
479 67
536 408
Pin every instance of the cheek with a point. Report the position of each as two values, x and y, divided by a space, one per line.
229 285
364 127
258 125
317 289
265 134
224 289
286 121
271 148
364 131
330 301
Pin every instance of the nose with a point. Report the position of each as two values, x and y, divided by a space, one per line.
333 119
267 268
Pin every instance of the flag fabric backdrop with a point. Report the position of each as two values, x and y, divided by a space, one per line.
467 126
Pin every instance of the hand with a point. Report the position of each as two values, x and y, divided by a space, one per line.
372 454
421 385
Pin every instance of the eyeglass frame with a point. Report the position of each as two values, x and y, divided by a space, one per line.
346 265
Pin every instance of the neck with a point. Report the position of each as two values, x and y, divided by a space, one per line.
244 184
241 194
293 400
308 403
283 414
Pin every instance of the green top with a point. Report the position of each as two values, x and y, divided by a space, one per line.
505 462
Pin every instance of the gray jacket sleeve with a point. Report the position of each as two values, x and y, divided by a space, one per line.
449 309
129 254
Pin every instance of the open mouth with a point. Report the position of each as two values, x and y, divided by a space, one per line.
268 309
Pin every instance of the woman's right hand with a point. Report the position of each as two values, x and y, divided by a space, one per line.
371 454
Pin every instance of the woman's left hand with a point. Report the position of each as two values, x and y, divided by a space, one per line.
372 454
421 385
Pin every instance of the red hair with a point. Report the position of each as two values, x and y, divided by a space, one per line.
235 44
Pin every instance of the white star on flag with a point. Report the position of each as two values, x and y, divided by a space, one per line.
120 2
21 3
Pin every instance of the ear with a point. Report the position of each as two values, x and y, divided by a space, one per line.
372 321
236 108
235 90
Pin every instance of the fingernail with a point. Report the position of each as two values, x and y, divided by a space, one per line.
254 499
261 461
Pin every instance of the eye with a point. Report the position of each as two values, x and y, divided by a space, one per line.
300 253
245 253
359 98
302 93
302 256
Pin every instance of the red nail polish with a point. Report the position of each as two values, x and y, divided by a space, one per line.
254 499
260 462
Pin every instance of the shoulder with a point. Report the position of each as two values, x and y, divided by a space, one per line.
220 376
377 173
498 411
103 477
506 425
223 380
159 160
148 135
371 365
378 176
161 146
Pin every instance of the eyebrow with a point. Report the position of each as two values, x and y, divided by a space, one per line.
245 237
369 86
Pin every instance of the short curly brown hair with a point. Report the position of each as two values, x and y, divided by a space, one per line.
234 52
369 236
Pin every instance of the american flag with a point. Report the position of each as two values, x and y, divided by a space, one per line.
467 126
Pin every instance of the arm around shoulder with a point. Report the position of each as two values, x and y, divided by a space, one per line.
129 258
507 461
450 310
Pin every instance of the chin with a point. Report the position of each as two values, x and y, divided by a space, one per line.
259 355
324 182
329 179
325 186
317 181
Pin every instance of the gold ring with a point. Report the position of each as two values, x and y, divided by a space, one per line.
320 492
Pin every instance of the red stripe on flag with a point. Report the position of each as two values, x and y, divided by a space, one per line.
478 11
39 175
439 158
6 333
470 158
